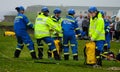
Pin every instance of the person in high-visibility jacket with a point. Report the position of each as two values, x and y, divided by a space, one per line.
97 32
57 21
107 33
57 36
20 27
43 24
70 29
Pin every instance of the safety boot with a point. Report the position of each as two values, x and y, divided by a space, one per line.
56 56
33 55
17 53
66 57
105 49
99 62
49 54
98 57
75 57
40 53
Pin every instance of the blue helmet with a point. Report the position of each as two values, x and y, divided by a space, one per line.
71 11
57 11
20 8
102 12
45 9
92 9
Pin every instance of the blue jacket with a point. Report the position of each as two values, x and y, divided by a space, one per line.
21 22
69 24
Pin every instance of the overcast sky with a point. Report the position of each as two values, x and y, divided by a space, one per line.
9 5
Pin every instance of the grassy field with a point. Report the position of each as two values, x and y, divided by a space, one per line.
6 23
26 64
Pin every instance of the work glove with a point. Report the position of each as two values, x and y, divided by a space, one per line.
31 26
57 34
91 39
51 30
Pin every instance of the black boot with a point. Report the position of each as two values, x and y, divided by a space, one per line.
40 53
105 52
17 53
61 48
105 49
33 55
99 61
98 57
49 54
75 57
66 57
56 56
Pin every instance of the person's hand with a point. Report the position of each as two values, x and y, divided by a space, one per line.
57 34
51 30
91 39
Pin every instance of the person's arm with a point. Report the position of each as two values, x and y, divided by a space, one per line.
83 23
107 26
51 24
27 22
90 27
77 29
119 26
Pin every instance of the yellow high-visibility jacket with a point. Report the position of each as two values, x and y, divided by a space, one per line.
96 29
42 26
58 24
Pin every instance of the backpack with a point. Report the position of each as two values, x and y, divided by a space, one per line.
89 53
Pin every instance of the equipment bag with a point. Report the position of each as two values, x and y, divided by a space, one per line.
89 53
57 45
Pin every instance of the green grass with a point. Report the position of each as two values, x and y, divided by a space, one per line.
6 23
26 64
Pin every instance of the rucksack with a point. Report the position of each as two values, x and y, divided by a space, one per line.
89 53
